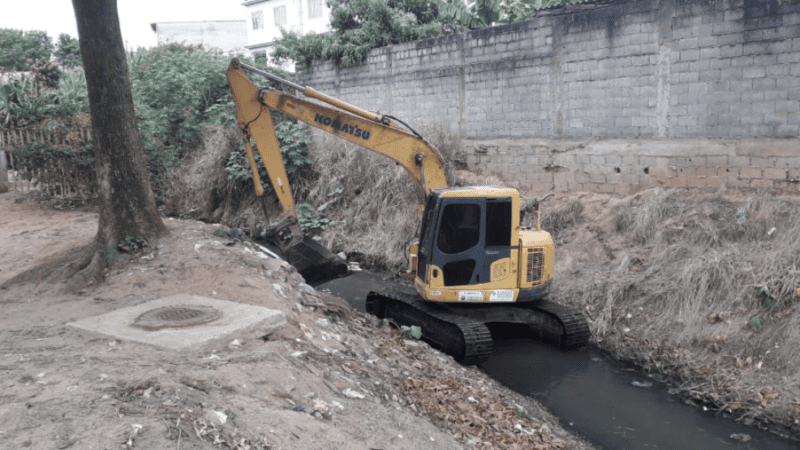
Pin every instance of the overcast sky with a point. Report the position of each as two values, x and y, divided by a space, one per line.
57 16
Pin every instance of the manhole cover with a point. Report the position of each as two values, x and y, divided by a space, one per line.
176 317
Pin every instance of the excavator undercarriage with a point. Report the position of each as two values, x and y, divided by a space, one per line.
461 330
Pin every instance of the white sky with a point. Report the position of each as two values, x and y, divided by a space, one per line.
57 16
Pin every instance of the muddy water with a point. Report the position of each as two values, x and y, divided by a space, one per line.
610 406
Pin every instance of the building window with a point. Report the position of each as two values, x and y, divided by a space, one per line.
314 9
258 20
260 56
280 15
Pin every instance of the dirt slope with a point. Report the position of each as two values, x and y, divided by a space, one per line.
698 288
330 379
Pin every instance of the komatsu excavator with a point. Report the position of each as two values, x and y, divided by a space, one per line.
472 263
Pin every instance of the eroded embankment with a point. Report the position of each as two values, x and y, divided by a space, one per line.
700 288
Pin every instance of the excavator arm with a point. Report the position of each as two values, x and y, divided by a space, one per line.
379 133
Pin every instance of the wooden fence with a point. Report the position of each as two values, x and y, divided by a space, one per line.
55 179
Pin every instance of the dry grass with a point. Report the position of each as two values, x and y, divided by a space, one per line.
702 274
557 220
200 188
376 208
678 291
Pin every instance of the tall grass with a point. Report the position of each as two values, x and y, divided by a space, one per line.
376 208
702 274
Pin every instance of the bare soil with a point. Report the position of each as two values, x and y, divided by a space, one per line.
331 379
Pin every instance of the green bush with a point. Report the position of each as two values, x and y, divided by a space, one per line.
293 139
360 26
176 89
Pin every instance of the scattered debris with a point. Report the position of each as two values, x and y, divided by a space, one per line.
741 437
349 393
221 416
136 429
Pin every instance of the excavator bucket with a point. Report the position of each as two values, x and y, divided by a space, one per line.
314 262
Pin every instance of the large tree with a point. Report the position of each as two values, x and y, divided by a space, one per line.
128 214
127 206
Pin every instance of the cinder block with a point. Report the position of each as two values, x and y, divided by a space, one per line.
774 174
696 182
762 184
753 72
750 172
705 171
662 174
716 182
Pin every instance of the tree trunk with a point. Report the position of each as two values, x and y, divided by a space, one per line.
127 204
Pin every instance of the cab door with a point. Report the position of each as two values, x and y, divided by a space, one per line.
469 235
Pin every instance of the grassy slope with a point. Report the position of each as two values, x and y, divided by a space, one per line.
674 283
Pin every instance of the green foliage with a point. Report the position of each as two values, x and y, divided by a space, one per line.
293 140
763 296
19 49
486 13
303 49
35 155
25 108
312 219
176 89
130 244
757 323
173 86
360 26
68 51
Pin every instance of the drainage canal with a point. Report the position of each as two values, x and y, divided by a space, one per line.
611 407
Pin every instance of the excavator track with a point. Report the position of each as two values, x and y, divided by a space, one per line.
574 328
461 330
466 340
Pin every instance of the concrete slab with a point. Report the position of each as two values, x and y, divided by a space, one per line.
235 318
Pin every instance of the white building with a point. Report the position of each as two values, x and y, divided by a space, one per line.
266 19
228 36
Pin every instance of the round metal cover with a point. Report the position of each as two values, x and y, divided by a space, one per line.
176 317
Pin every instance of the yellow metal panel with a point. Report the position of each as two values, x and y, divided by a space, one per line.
536 243
256 120
396 144
500 269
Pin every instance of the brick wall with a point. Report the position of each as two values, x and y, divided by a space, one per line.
690 85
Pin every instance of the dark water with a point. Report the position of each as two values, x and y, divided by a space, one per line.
593 397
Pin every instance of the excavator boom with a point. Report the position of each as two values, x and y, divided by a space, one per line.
373 131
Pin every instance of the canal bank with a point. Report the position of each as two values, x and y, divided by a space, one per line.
610 405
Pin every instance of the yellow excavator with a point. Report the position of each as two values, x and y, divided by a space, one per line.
472 263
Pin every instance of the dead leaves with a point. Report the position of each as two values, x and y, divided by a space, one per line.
476 418
766 395
715 344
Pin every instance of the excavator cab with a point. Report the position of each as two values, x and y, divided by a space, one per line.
470 246
462 237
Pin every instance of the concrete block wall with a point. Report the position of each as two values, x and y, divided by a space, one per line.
647 76
625 166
